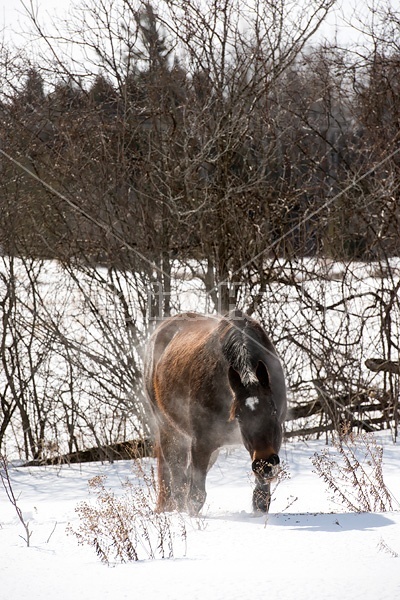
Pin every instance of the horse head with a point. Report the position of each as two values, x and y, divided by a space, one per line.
259 420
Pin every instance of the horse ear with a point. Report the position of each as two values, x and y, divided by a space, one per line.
234 379
262 374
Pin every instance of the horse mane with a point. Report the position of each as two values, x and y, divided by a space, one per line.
240 346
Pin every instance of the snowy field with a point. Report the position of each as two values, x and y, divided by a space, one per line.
307 548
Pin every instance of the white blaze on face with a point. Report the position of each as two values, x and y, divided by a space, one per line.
252 403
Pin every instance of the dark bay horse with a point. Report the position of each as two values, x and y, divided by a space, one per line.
209 379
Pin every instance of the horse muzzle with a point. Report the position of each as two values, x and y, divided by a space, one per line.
266 469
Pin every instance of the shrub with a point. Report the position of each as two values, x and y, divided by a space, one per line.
125 528
352 471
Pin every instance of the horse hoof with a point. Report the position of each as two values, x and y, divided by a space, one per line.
195 504
194 508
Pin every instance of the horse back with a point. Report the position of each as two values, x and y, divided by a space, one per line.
173 350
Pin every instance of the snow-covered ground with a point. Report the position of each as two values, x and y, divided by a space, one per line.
306 548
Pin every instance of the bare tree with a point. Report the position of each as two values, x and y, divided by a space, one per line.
207 153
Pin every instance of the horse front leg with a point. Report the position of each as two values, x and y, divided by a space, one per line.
262 497
265 471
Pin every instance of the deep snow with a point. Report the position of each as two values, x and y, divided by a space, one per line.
306 548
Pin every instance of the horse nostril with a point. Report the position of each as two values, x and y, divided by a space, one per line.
261 467
274 460
264 467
